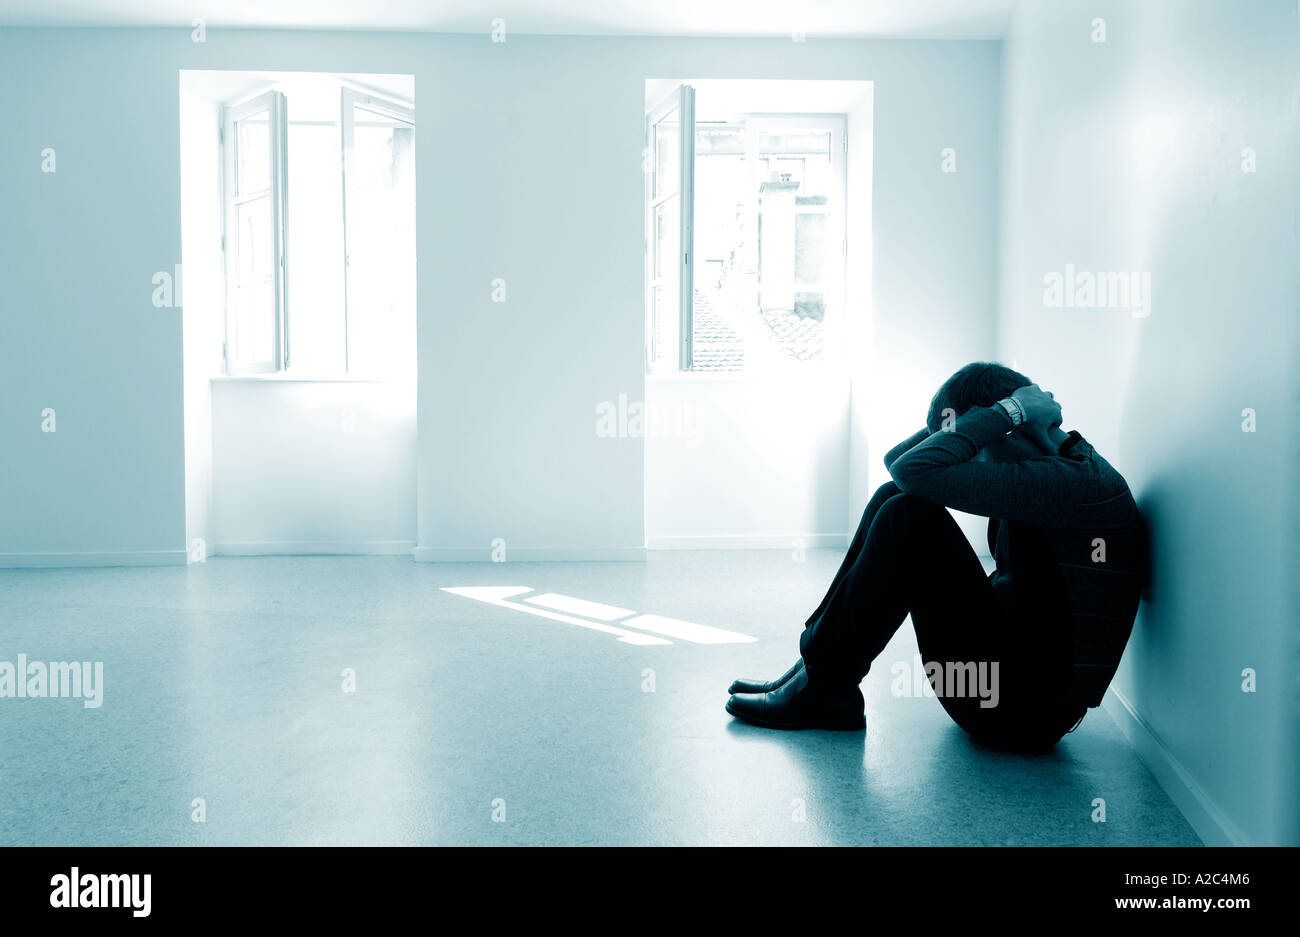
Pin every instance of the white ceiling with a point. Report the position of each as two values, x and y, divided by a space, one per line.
940 19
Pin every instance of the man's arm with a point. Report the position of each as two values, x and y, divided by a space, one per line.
906 444
1046 491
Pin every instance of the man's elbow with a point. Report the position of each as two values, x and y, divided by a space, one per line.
904 475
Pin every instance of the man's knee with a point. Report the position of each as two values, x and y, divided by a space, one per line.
888 490
913 526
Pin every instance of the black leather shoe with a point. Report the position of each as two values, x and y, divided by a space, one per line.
765 686
799 705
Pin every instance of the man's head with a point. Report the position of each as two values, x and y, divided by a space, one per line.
982 384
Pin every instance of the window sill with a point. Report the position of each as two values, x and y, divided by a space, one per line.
280 377
800 371
699 376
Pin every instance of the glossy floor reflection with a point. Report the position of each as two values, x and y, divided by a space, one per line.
224 681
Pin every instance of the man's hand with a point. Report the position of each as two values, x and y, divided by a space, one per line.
1041 409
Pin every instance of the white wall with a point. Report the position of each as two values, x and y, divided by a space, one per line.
756 463
550 201
1127 156
571 332
80 334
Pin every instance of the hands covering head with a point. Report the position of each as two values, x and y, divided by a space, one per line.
1041 408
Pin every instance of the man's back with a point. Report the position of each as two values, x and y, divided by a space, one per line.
1064 530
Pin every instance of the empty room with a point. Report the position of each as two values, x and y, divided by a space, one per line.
600 423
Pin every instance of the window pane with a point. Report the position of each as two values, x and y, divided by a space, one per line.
255 322
315 231
253 151
793 247
715 344
724 196
667 238
254 245
795 143
665 266
666 307
761 244
381 246
667 153
809 248
803 155
659 304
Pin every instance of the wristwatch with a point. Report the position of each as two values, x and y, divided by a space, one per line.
1014 410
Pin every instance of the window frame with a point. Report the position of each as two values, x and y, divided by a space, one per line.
349 100
274 104
677 356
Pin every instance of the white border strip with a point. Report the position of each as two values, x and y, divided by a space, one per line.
313 548
483 554
107 558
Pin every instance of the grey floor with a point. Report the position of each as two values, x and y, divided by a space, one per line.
222 681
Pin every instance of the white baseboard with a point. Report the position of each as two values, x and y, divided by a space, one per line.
104 558
314 548
530 554
748 542
1206 818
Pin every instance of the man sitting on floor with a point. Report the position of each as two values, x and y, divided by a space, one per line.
1049 624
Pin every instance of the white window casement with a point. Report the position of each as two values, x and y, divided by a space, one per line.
253 137
378 233
670 170
751 276
319 234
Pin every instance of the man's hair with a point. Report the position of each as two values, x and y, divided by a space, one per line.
979 384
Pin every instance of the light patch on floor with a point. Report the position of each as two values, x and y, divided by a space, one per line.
657 624
500 595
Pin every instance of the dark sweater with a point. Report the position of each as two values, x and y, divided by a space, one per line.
1046 515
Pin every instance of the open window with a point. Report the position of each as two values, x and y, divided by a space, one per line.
321 173
670 155
253 134
746 230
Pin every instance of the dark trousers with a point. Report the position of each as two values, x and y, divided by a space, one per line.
910 557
